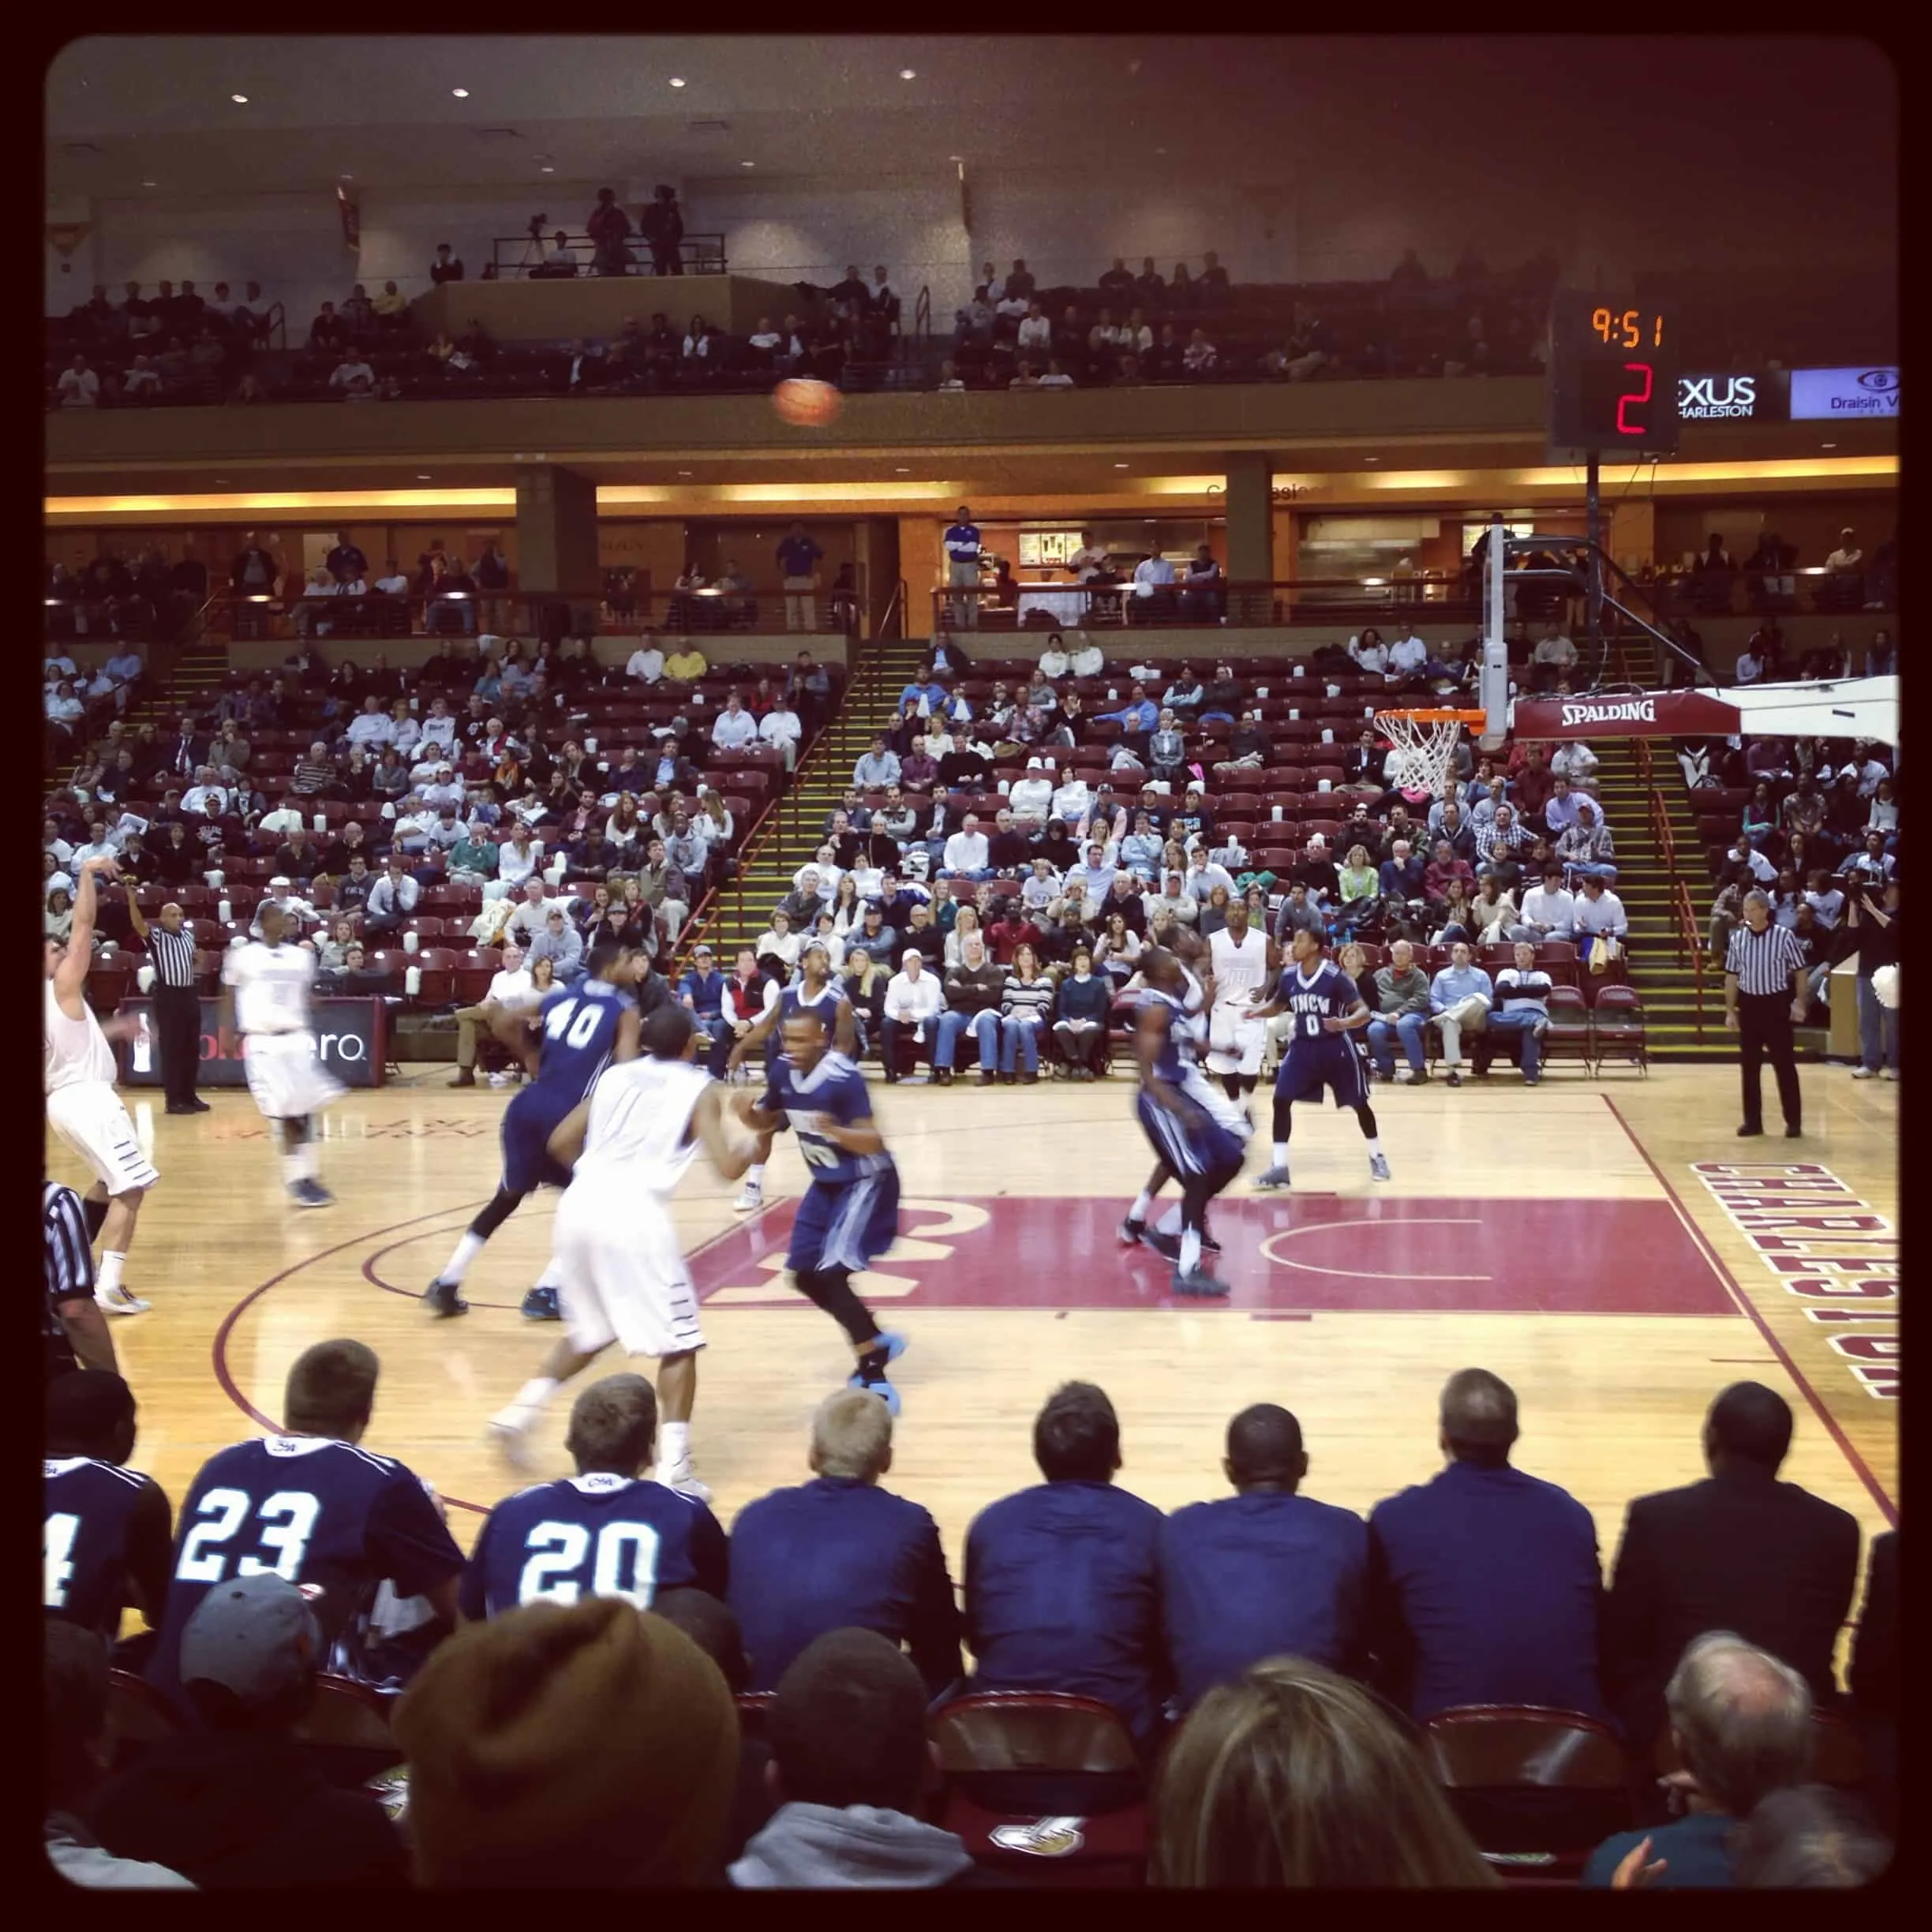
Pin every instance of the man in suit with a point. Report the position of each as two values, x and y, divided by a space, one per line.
1265 1572
186 752
1484 1582
1063 1579
841 1553
1740 1551
1873 1676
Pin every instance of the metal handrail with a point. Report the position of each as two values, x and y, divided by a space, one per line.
1428 598
704 248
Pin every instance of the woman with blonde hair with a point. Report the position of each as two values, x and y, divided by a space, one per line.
1294 1777
965 923
1360 886
714 822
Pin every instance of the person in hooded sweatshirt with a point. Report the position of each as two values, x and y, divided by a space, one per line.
239 1803
850 1764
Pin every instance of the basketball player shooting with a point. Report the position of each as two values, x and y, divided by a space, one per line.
82 1106
623 1275
1328 1007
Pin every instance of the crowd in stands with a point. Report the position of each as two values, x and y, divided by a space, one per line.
1007 852
443 809
1273 1686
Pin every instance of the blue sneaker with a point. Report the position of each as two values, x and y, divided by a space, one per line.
1275 1177
1378 1167
1200 1283
882 1388
540 1304
443 1299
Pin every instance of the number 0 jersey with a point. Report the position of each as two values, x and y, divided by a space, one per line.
1330 994
597 1535
332 1517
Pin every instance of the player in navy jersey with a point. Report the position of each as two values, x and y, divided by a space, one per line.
107 1532
605 1532
1187 1123
317 1510
585 1028
850 1214
814 990
1327 1007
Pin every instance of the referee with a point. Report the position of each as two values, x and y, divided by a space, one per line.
177 1005
74 1330
1764 994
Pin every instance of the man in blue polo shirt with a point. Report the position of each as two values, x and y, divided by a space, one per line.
962 549
798 563
1136 718
702 992
841 1553
1265 1572
1484 1584
927 692
1063 1579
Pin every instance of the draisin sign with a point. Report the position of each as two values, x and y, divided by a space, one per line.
1721 399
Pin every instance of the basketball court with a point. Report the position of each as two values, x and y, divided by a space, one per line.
1597 1242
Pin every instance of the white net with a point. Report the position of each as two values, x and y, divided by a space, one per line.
1428 749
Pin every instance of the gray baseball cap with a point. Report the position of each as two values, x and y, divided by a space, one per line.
254 1635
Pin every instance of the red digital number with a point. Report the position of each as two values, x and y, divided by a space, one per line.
1635 396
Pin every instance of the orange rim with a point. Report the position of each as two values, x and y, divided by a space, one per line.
1438 717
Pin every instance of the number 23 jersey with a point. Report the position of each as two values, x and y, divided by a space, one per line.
336 1519
596 1535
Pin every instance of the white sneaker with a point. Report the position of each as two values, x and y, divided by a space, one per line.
750 1198
1405 1076
1890 1073
500 1079
510 1431
119 1301
1864 1072
685 1483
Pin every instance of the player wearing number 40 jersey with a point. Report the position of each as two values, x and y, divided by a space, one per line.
317 1509
584 1029
605 1532
1328 1007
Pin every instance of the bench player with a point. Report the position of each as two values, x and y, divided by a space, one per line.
266 984
622 1274
1192 1138
585 1028
1327 1008
82 1106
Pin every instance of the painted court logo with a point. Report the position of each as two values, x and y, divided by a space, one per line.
1829 1248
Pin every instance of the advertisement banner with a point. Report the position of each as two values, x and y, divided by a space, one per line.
1626 714
1726 398
353 1034
1832 394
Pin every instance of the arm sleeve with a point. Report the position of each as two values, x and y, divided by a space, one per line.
150 1551
406 1539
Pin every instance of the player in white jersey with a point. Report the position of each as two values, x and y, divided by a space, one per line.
82 1106
267 984
623 1277
1238 972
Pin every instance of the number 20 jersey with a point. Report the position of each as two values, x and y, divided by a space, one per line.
334 1518
595 1535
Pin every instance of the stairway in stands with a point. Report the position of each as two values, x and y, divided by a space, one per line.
189 678
880 669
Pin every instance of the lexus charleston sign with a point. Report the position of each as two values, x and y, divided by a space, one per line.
1832 394
1723 398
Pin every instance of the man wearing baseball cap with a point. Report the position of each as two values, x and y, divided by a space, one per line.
239 1803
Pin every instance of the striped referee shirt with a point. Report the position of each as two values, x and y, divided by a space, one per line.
69 1254
1763 963
173 954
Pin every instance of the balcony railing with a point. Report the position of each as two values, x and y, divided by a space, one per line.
1431 597
521 257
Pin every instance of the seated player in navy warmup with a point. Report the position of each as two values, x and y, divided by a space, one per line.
839 1552
1484 1583
108 1533
1194 1131
850 1214
318 1509
814 990
1328 1007
1063 1579
1265 1572
605 1532
585 1027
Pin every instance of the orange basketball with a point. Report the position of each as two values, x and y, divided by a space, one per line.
811 405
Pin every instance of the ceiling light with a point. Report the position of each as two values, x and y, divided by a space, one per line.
683 473
1372 459
955 157
676 81
1828 446
1119 465
241 100
546 169
422 476
748 164
906 73
150 184
903 471
461 93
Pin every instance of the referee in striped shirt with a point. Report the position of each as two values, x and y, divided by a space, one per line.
177 1005
75 1329
1764 996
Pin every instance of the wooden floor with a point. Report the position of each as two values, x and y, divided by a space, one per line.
1563 1238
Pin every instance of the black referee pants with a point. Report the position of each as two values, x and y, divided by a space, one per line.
177 1022
1765 1033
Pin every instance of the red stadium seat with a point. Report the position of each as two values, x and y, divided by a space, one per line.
346 1732
1569 1034
1617 1029
438 966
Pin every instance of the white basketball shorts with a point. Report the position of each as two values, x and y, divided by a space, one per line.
287 1076
623 1276
89 1116
1235 1042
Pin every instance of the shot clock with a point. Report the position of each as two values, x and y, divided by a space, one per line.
1613 375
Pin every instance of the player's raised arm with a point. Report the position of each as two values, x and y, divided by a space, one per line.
71 974
135 917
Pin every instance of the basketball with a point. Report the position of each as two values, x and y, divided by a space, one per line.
810 404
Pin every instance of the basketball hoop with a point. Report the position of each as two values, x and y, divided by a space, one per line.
1427 742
